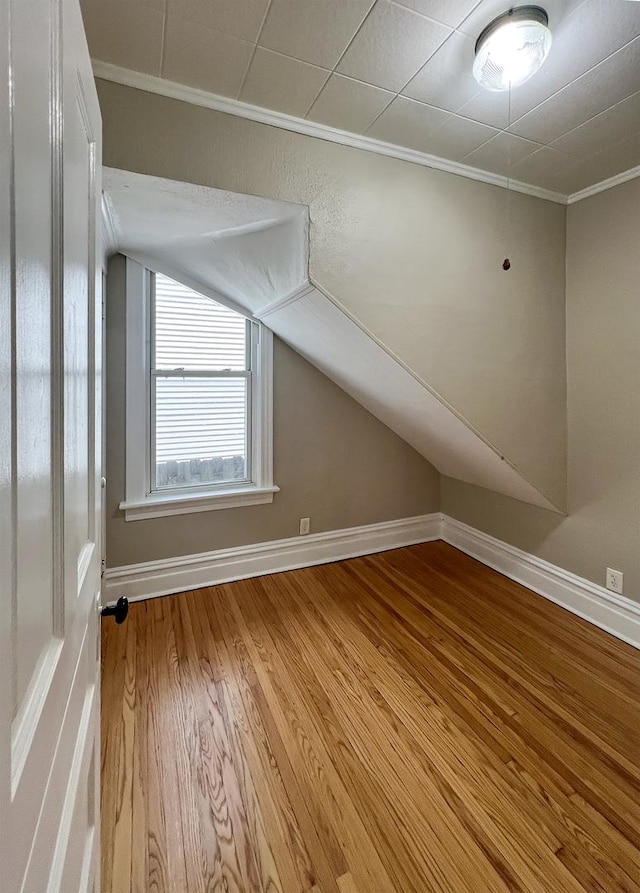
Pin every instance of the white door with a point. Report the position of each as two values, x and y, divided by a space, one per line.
50 354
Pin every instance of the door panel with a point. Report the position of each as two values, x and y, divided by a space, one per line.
50 386
33 279
79 287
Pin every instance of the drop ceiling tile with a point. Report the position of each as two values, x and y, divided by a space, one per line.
584 38
390 47
349 105
547 168
616 159
408 123
204 58
316 31
446 80
602 131
449 12
282 83
607 84
488 108
241 20
125 33
457 137
501 153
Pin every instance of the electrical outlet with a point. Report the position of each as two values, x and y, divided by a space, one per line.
614 580
304 526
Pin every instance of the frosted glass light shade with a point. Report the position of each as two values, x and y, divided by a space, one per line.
512 48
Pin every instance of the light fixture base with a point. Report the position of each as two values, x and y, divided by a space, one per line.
515 14
512 48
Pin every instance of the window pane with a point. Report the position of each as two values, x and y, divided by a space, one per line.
193 332
201 435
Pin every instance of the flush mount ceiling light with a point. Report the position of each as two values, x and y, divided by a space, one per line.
512 48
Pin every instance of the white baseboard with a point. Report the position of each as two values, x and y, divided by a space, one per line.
613 613
153 578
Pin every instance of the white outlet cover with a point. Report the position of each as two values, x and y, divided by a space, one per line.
614 580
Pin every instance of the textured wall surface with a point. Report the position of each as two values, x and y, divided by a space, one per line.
603 366
333 461
414 254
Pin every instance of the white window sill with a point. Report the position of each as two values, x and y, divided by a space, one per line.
162 505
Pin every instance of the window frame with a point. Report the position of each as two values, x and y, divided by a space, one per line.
141 501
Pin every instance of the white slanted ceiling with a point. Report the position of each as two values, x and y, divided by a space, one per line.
251 254
246 250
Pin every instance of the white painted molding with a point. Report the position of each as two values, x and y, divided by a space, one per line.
172 90
615 614
139 503
153 578
624 177
305 289
162 506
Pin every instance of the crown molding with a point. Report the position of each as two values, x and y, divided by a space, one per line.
624 177
302 290
152 84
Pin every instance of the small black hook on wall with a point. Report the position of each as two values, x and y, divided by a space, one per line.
506 264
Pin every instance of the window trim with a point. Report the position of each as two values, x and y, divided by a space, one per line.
140 501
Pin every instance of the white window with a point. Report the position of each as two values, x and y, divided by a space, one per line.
199 401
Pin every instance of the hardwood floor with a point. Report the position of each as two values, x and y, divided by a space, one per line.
410 721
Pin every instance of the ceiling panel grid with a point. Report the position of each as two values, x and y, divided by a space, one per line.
401 71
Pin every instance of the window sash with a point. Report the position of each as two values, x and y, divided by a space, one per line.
154 373
196 344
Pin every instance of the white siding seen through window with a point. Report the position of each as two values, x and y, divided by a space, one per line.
200 390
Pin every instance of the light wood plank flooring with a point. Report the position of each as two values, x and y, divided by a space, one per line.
401 723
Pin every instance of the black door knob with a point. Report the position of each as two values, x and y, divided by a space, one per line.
118 610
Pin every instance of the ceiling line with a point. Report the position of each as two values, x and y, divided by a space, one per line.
588 121
564 87
399 94
183 93
616 180
255 48
163 39
453 29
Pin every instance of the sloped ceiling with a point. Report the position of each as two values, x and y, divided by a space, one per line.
246 251
399 71
252 254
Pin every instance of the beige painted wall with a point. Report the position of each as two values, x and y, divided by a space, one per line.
603 366
415 254
333 461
